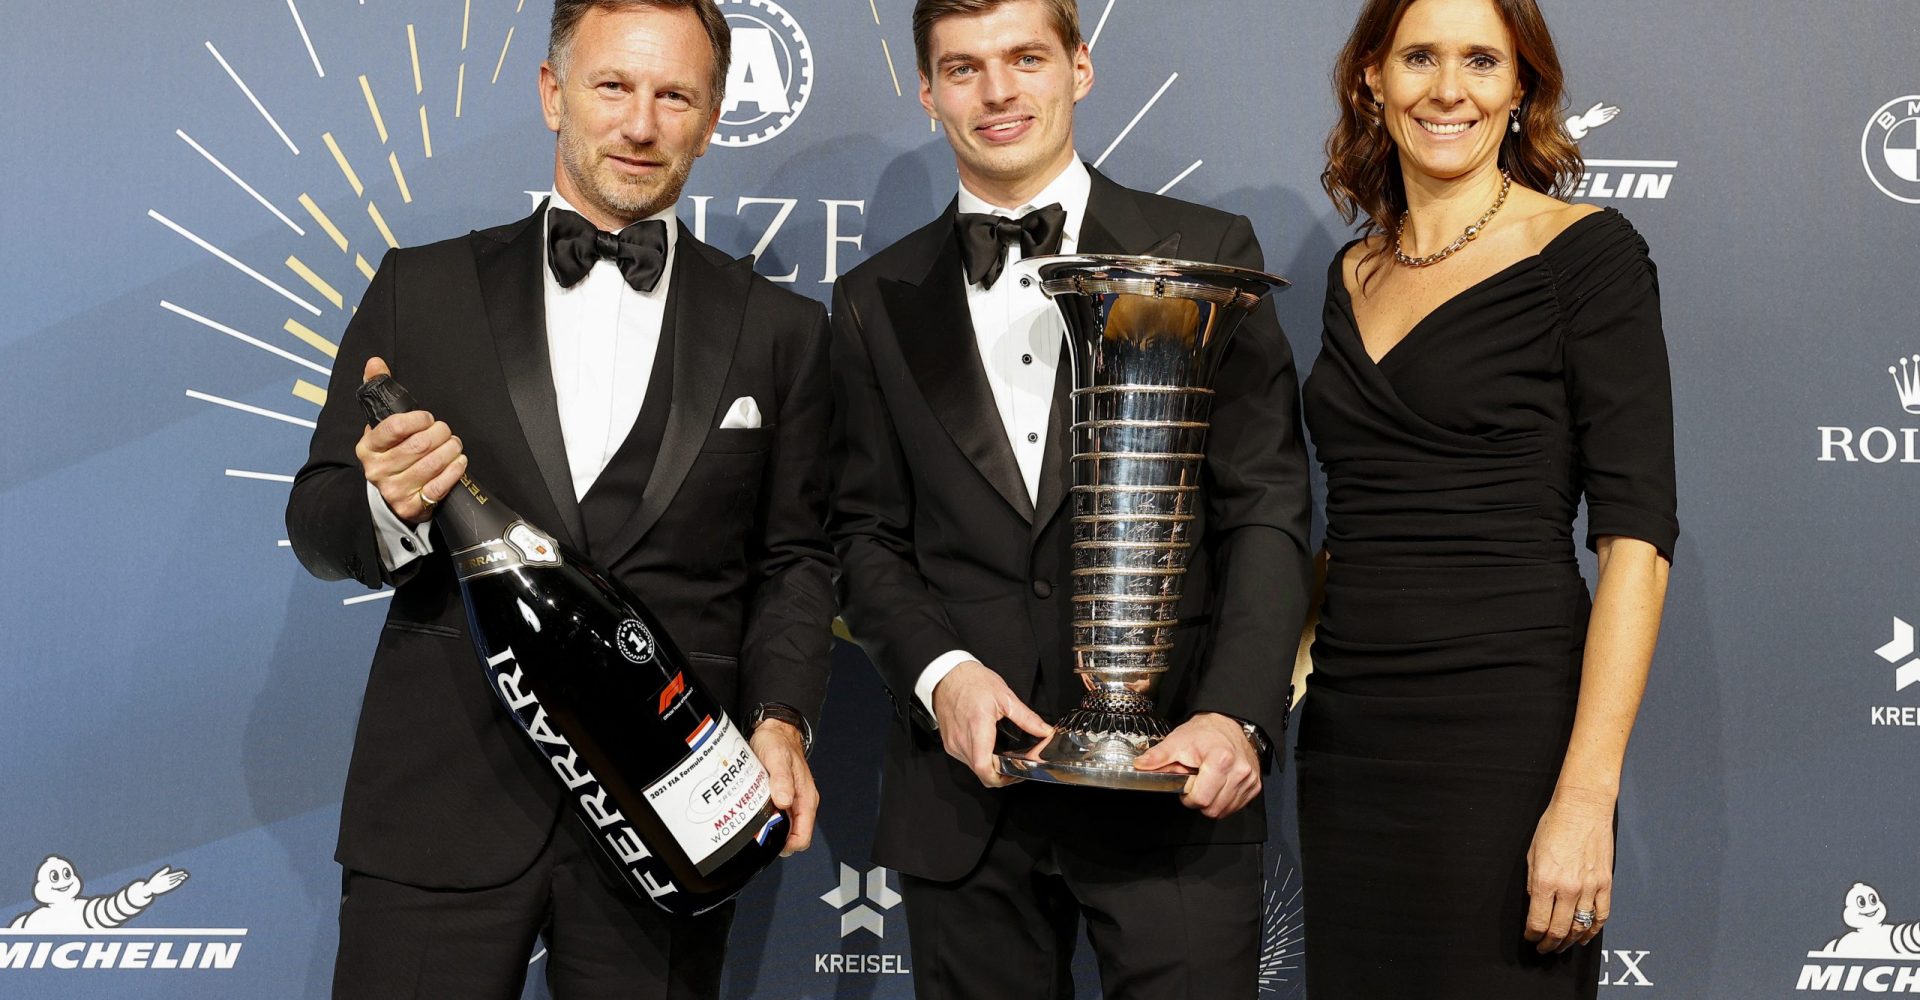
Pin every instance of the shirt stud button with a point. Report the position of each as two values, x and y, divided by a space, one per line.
1033 438
1026 359
1026 282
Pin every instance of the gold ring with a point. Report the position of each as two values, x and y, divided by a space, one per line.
425 500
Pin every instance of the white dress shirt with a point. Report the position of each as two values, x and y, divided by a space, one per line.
1019 334
602 336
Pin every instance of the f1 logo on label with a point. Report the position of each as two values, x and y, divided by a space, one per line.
1874 956
857 891
69 931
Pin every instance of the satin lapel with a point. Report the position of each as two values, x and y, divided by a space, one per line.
709 303
1114 224
935 330
513 289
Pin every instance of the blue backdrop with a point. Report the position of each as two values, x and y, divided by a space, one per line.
197 195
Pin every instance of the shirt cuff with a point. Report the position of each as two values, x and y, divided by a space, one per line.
931 677
399 542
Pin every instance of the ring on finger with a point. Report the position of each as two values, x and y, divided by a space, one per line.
1583 919
425 500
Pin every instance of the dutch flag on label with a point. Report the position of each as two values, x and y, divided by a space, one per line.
701 732
761 837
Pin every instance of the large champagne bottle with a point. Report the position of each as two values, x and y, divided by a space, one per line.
653 766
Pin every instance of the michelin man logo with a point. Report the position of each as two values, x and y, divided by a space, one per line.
1580 125
771 76
877 892
1627 179
1871 936
63 910
1873 956
1890 149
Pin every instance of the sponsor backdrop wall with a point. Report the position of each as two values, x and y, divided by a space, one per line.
198 194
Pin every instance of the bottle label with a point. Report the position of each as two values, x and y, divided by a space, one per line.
714 794
521 545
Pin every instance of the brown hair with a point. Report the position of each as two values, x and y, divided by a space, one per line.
567 15
1065 15
1363 172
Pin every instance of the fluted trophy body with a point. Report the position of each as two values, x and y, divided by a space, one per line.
1145 336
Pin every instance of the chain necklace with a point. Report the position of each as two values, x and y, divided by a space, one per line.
1473 231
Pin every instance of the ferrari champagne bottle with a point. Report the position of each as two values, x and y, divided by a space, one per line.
651 764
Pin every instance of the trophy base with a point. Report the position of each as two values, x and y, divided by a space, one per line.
1096 744
1061 772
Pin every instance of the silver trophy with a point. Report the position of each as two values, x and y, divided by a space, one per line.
1144 337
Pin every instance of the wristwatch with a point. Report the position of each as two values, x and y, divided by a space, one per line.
783 713
1262 748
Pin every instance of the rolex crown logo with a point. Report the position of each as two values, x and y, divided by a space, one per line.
1906 378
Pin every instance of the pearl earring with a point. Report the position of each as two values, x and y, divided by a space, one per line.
1516 121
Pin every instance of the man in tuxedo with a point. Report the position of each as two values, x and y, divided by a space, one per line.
638 394
951 463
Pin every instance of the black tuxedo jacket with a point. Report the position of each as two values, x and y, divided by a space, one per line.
941 548
727 541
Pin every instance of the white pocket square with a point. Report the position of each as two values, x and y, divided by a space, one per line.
743 414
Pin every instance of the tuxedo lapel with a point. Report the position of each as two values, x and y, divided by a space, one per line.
1114 225
513 289
935 330
708 300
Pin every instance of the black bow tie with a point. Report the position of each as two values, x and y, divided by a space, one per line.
574 244
984 239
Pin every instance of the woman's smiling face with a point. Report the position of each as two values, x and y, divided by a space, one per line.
1448 82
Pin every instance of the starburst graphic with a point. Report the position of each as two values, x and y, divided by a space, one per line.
326 259
1282 931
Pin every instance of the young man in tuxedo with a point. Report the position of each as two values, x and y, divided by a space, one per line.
951 464
639 394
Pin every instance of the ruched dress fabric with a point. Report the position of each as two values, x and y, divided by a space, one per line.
1448 658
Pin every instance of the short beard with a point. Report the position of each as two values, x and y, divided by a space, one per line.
630 199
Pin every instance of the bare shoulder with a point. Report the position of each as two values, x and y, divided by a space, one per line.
1554 217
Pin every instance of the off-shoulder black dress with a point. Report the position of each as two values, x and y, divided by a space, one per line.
1447 665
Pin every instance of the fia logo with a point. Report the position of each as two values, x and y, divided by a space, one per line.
635 642
771 76
1890 149
71 931
1873 955
1620 179
1881 445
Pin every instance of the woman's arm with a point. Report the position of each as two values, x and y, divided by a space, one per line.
1570 864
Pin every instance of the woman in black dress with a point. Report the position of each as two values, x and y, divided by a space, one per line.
1491 356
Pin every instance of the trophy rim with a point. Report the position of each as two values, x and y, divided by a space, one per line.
1145 268
1089 775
